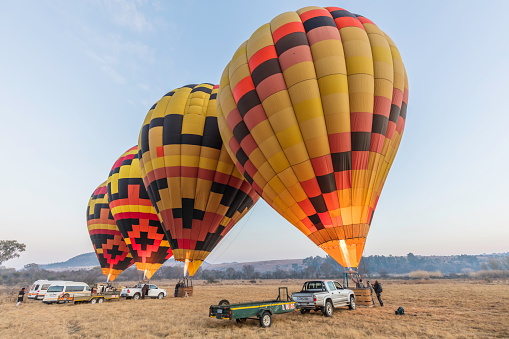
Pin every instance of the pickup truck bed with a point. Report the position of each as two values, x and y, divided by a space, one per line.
323 295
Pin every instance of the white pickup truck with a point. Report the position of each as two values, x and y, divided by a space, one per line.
323 295
135 292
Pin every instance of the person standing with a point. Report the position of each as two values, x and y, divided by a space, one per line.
21 294
378 290
144 290
177 288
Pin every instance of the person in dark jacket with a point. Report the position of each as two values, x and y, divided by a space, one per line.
21 294
377 287
177 288
144 291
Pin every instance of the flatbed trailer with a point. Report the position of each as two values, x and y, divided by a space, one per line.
260 310
98 298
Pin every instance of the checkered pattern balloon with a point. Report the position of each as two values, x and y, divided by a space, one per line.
312 109
135 217
197 191
109 245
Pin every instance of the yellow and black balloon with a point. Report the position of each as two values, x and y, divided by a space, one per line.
312 109
135 217
109 245
196 189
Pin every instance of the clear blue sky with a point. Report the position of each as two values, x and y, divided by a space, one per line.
78 77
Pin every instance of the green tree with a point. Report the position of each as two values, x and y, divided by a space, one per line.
10 249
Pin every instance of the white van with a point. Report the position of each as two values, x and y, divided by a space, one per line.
65 289
35 288
38 289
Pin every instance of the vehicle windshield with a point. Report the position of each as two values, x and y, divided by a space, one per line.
55 288
45 287
313 286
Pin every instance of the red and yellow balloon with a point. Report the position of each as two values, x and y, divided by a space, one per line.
311 109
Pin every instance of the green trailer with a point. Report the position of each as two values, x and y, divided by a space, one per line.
260 310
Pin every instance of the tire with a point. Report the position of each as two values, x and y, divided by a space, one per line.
224 302
93 301
100 301
241 320
304 311
160 295
352 304
136 296
265 319
328 310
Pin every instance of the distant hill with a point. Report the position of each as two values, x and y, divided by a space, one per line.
389 264
82 261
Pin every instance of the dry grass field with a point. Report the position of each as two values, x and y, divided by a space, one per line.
434 309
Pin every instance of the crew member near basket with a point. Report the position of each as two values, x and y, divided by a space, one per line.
377 287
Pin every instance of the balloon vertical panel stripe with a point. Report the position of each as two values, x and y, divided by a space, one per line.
135 217
197 191
109 245
310 110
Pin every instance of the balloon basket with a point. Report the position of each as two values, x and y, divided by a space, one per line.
363 297
185 289
363 291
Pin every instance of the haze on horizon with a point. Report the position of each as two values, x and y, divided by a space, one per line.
77 79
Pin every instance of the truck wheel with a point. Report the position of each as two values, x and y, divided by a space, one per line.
136 296
303 311
328 309
160 295
265 319
93 301
224 302
352 305
100 301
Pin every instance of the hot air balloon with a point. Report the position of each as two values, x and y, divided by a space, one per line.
197 191
109 245
312 109
135 217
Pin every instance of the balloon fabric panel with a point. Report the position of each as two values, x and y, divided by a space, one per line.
135 217
196 189
312 108
109 245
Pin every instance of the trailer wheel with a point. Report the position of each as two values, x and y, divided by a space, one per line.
265 319
304 311
224 302
136 296
241 320
328 309
160 295
100 301
352 305
93 301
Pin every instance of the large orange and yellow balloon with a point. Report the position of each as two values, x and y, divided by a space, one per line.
109 245
135 217
312 109
196 189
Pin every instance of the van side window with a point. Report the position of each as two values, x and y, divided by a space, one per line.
74 288
45 287
87 288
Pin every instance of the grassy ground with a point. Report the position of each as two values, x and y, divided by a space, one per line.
438 309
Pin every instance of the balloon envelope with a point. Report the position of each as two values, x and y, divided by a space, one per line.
135 216
312 109
197 191
109 245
